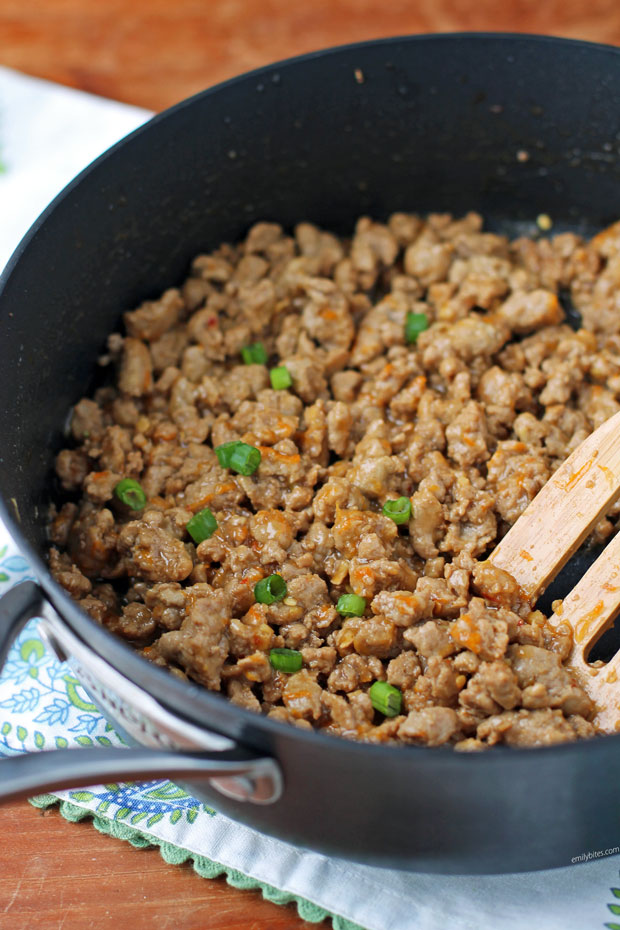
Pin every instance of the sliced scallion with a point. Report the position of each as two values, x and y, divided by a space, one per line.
415 324
385 698
351 605
399 510
280 378
130 492
285 660
270 589
254 354
239 457
245 459
225 451
202 526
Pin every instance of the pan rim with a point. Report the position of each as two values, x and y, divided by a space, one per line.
187 696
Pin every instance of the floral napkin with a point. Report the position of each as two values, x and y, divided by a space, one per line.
47 133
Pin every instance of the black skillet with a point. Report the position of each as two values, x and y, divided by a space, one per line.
421 123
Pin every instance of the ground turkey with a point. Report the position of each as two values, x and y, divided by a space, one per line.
404 394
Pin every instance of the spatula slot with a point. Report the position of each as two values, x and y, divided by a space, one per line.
605 644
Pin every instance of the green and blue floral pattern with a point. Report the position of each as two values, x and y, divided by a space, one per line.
44 706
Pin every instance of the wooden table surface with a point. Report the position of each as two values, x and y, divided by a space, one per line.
152 53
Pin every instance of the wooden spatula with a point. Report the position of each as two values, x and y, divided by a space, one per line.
545 536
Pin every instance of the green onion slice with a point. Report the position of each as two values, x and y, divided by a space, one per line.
415 324
280 378
129 492
255 354
351 605
285 660
225 451
202 526
399 510
270 589
245 459
239 457
385 698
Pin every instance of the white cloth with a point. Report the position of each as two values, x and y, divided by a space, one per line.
47 134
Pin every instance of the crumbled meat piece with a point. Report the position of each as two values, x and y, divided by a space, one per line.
61 524
155 554
403 671
302 696
99 485
68 575
375 637
354 670
135 623
350 717
373 246
200 645
546 683
402 608
136 374
86 420
480 630
93 542
255 667
527 311
167 604
368 576
240 693
430 639
532 728
71 468
495 584
251 632
321 660
493 687
467 662
467 436
351 525
428 260
515 475
430 725
153 318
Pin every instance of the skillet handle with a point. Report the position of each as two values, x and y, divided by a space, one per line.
234 772
19 605
37 772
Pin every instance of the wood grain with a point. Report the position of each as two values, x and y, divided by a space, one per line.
157 52
590 609
563 513
56 875
548 532
153 53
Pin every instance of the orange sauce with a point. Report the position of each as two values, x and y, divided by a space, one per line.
268 452
469 640
572 480
584 625
608 474
219 489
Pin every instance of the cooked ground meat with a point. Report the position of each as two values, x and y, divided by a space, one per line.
466 419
